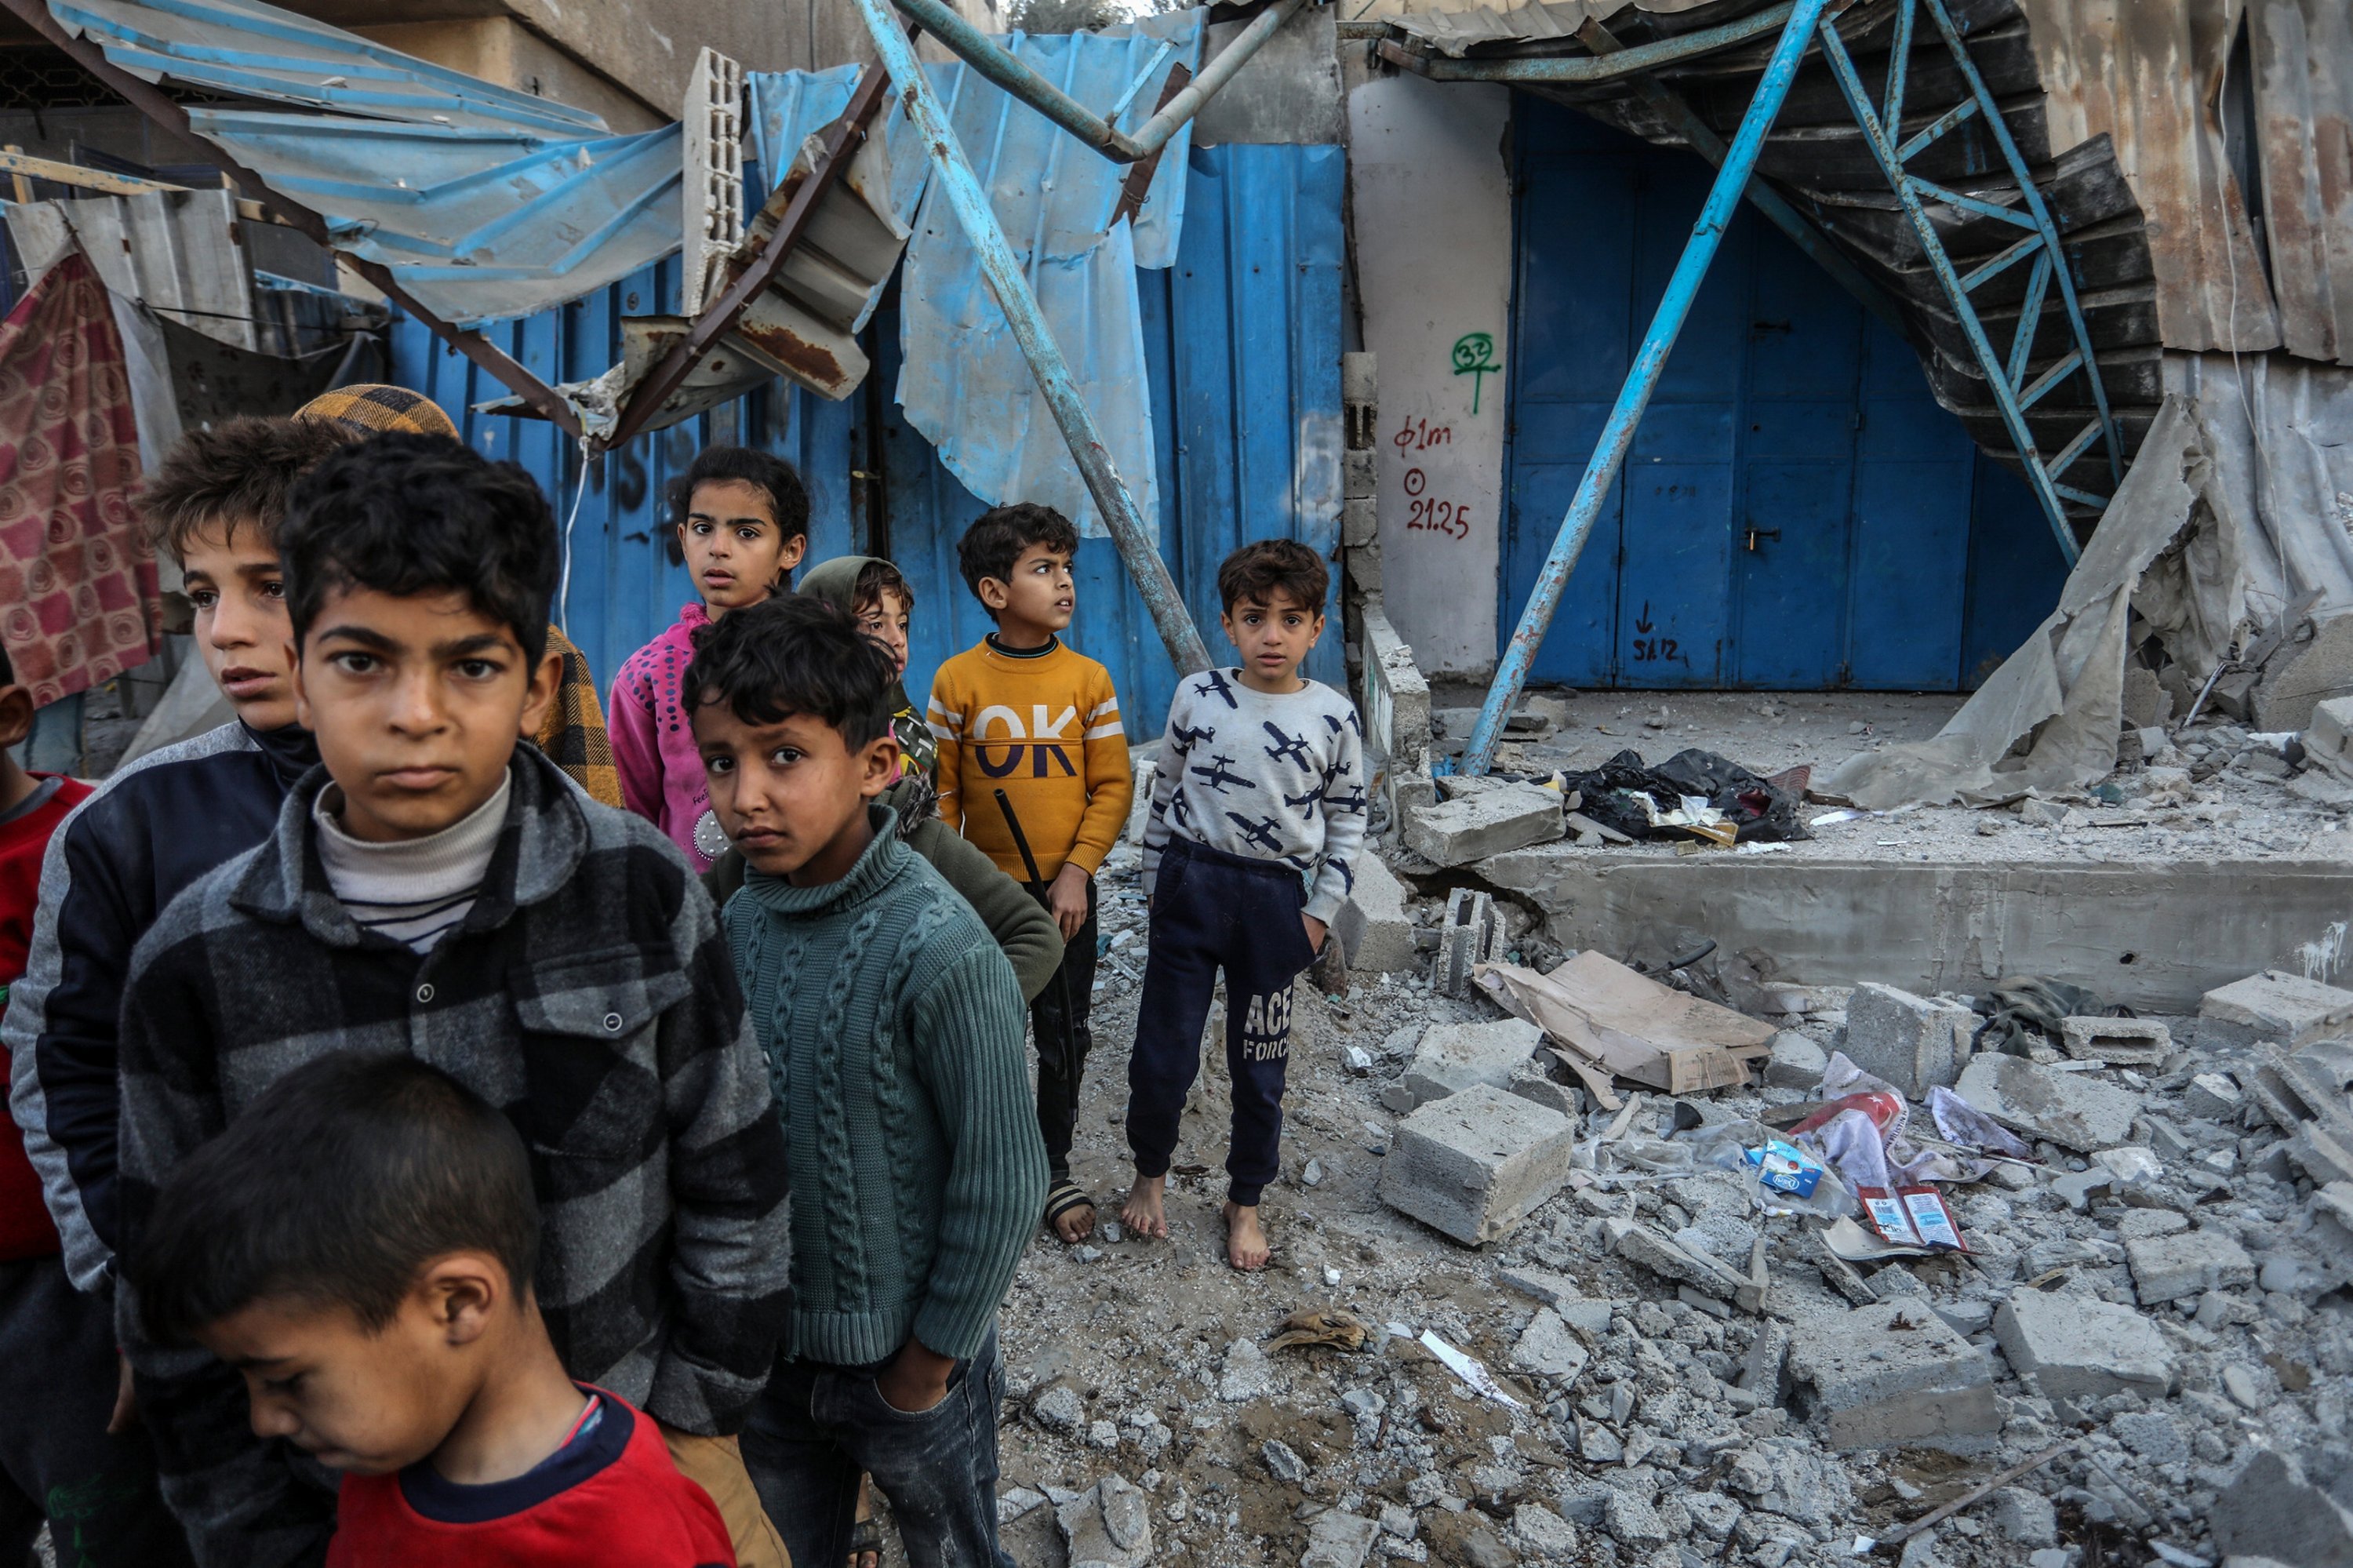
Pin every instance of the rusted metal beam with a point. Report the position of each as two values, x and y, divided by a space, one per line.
163 109
1139 175
712 327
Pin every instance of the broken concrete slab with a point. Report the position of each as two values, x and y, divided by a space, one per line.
2213 1097
1541 1285
2274 1510
1530 1081
2189 1263
1893 1373
2278 1002
1109 1525
1338 1540
1548 1349
1373 927
1797 1062
1490 821
2300 677
1452 1058
2074 1110
1474 1164
1915 1043
1638 1243
2081 1349
2119 1041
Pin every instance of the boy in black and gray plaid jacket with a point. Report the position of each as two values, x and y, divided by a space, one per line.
436 892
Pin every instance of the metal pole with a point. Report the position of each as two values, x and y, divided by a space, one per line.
1006 279
1617 435
991 59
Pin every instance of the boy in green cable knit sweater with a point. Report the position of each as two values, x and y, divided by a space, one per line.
894 1030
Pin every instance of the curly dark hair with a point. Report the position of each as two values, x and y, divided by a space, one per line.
790 655
335 1187
788 499
238 472
999 535
407 514
1265 567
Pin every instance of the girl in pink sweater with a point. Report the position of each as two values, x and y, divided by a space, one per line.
742 518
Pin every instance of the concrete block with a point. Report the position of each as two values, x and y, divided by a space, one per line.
2213 1097
2121 1042
1360 378
1360 476
1637 1243
1360 522
1474 1165
2074 1110
1531 1082
1374 928
2167 1268
2146 702
2300 677
1797 1062
2329 738
1914 1041
2325 1159
1541 1284
2274 1510
1894 1374
1472 935
1363 564
1452 1058
1472 827
2274 1000
2080 1350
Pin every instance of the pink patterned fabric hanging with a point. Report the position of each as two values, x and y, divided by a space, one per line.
78 597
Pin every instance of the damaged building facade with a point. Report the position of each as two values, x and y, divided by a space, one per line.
1904 1108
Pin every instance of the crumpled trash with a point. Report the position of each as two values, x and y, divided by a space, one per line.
1630 796
1863 1131
1473 1373
2021 1007
1963 1123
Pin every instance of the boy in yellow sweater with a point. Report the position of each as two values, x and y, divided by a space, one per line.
1023 713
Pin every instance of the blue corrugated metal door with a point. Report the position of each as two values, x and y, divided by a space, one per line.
1797 511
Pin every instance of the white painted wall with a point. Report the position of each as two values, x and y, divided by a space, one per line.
1431 192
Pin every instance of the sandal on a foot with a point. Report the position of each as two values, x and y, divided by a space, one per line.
865 1538
1062 1198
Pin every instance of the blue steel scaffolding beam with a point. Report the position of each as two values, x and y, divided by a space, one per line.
2006 374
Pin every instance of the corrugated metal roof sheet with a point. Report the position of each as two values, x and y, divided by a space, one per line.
486 202
1459 32
2303 53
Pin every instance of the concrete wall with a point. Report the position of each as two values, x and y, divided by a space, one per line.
502 49
1430 192
2151 935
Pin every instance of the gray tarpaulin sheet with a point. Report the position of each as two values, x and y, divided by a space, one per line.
2171 547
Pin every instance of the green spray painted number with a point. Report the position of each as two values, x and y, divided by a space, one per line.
1474 356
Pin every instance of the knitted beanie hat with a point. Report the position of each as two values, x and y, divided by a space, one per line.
371 408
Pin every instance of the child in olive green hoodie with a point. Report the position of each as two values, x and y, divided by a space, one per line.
1032 942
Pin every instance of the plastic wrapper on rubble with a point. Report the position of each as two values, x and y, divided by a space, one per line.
1627 795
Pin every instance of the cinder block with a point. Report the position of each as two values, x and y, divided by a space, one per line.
1363 564
2077 1348
1914 1041
1474 1165
1373 927
2329 738
1472 827
1360 522
1893 1373
2167 1268
1360 475
1452 1058
2279 1002
2071 1109
2122 1041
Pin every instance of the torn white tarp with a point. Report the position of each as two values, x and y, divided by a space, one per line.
2171 546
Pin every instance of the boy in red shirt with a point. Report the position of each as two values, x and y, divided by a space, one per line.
58 1461
359 1245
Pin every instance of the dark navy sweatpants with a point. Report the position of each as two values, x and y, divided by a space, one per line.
1213 911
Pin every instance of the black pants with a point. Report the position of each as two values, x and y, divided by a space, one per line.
1062 1052
1213 911
818 1427
58 1378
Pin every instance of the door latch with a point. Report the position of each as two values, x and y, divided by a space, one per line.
1755 533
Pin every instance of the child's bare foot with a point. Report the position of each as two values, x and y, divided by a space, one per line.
1071 1211
1143 1213
1245 1246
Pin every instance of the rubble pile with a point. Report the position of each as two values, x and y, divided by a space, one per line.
1507 1322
